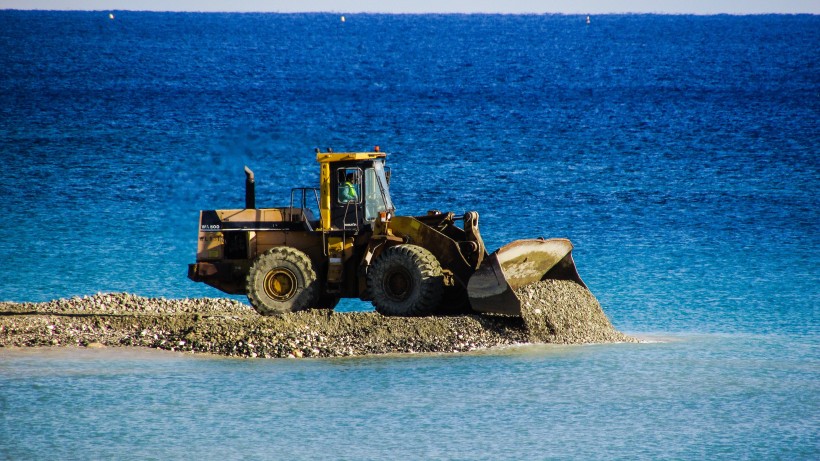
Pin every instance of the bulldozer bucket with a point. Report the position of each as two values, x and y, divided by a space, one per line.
491 288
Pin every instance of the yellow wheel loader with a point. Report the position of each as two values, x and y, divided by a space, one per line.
344 240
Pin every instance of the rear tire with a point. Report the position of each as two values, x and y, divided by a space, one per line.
282 280
405 280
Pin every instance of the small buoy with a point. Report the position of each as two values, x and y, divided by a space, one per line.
587 19
343 19
110 15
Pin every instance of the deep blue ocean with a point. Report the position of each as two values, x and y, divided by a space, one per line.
678 153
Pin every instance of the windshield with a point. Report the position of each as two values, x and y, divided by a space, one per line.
376 193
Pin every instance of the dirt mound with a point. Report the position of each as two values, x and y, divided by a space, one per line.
552 313
227 327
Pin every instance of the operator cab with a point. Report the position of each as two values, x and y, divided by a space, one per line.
357 187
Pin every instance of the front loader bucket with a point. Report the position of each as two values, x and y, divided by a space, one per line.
491 288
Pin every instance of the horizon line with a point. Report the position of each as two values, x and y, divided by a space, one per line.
421 13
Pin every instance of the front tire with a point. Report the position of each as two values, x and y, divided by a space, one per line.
282 280
405 280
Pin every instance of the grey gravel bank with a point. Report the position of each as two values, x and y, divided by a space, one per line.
554 312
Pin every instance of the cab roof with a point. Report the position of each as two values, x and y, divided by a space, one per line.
332 157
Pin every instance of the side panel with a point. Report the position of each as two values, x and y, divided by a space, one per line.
210 246
259 219
229 241
308 242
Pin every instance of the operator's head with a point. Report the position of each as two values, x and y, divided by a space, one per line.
349 177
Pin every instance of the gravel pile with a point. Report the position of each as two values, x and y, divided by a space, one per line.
561 311
126 303
231 328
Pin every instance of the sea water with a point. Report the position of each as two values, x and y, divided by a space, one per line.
678 153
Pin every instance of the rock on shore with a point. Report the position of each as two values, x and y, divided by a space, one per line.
227 327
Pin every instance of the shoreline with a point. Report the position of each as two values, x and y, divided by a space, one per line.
147 353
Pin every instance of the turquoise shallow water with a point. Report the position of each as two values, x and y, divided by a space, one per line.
682 397
678 153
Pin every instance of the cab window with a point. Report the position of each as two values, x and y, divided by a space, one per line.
375 198
349 189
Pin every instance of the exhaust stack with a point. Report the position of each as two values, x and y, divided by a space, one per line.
250 189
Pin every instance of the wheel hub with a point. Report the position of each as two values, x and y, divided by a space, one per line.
398 284
280 284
